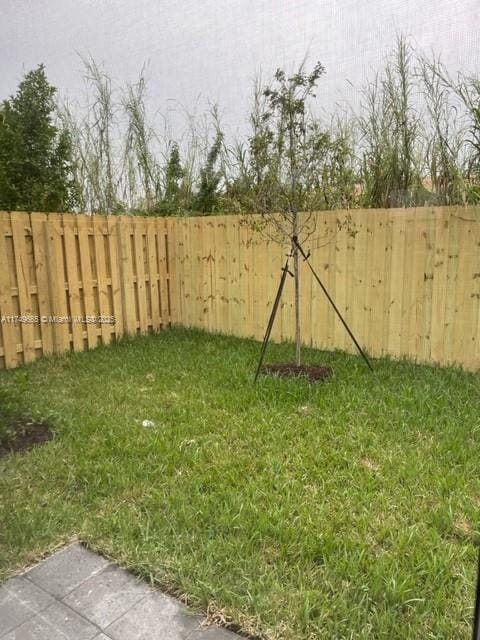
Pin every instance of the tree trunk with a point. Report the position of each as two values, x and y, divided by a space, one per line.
296 273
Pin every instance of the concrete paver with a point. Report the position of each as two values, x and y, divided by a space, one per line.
156 617
68 568
106 596
56 622
19 601
78 595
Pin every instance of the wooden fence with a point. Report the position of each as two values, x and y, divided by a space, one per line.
407 281
76 281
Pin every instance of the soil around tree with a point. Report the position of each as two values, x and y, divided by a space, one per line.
289 369
21 434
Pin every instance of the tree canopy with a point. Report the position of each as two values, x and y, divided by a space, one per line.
35 154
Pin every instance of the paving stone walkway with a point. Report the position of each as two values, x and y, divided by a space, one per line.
78 595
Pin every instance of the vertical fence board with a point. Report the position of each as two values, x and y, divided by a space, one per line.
274 273
270 280
220 260
387 284
451 286
231 264
349 286
138 226
6 305
384 290
359 306
19 227
173 268
330 278
74 291
99 231
395 297
213 275
464 337
312 315
244 279
262 303
417 310
153 275
341 256
39 222
166 268
87 284
377 245
180 314
56 279
115 274
475 290
439 289
126 275
408 299
197 274
191 280
424 346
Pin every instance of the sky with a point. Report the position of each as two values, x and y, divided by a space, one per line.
211 50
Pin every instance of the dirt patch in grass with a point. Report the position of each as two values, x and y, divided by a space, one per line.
21 434
289 369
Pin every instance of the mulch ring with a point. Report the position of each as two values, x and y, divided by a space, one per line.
22 434
287 369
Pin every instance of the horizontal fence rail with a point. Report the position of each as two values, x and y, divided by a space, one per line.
406 280
76 281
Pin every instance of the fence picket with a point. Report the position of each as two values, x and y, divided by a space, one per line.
74 290
115 274
6 304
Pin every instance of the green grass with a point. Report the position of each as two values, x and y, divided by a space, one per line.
347 509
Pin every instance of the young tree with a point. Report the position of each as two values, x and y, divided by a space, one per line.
284 149
35 155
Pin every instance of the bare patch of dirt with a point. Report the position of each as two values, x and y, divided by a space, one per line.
288 369
21 434
370 464
464 529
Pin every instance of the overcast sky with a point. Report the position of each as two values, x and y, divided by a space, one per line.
213 48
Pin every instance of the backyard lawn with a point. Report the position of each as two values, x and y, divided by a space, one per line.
341 510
